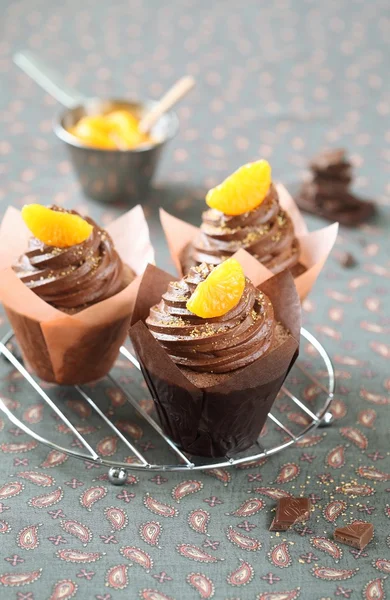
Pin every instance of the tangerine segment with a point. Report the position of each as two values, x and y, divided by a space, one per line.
123 119
242 191
124 129
115 130
55 228
94 131
220 292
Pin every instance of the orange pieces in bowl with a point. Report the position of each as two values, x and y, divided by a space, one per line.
124 129
220 292
93 131
112 131
242 191
55 228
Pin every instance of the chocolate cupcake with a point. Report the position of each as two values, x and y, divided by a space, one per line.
266 232
248 211
69 295
245 219
214 374
76 276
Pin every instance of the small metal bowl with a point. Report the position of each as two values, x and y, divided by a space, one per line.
115 175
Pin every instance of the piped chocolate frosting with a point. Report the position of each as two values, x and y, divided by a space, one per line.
216 345
75 277
266 232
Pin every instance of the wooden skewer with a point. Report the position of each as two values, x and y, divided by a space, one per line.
173 95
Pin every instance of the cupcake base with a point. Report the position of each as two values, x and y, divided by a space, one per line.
88 359
220 419
220 432
223 440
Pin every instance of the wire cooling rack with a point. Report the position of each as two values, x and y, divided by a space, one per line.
302 405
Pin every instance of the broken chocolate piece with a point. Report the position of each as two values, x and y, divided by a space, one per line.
357 534
347 260
327 193
290 511
275 526
328 159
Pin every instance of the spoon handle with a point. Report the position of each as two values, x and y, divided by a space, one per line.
173 95
47 78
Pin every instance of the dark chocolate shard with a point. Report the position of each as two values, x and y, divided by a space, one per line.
327 193
276 526
357 534
329 158
348 210
347 260
290 511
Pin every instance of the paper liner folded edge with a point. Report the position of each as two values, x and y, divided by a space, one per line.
288 204
178 235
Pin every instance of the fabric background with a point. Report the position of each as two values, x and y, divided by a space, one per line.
278 80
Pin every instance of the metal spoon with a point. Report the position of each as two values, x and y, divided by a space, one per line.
48 79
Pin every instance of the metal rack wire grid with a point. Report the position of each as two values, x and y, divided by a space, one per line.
309 389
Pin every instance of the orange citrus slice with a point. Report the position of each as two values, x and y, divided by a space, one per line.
94 131
55 228
242 191
123 119
220 292
115 130
124 129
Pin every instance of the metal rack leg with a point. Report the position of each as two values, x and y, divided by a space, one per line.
117 475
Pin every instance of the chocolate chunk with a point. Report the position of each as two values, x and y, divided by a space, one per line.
357 534
290 511
329 158
327 193
347 260
348 210
327 188
275 526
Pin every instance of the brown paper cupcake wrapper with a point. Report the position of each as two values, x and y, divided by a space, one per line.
227 417
71 349
315 246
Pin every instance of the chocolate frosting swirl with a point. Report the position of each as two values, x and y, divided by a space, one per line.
72 278
266 232
216 345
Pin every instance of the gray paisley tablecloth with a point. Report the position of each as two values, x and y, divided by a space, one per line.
277 80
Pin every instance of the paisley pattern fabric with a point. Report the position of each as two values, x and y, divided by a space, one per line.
277 80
